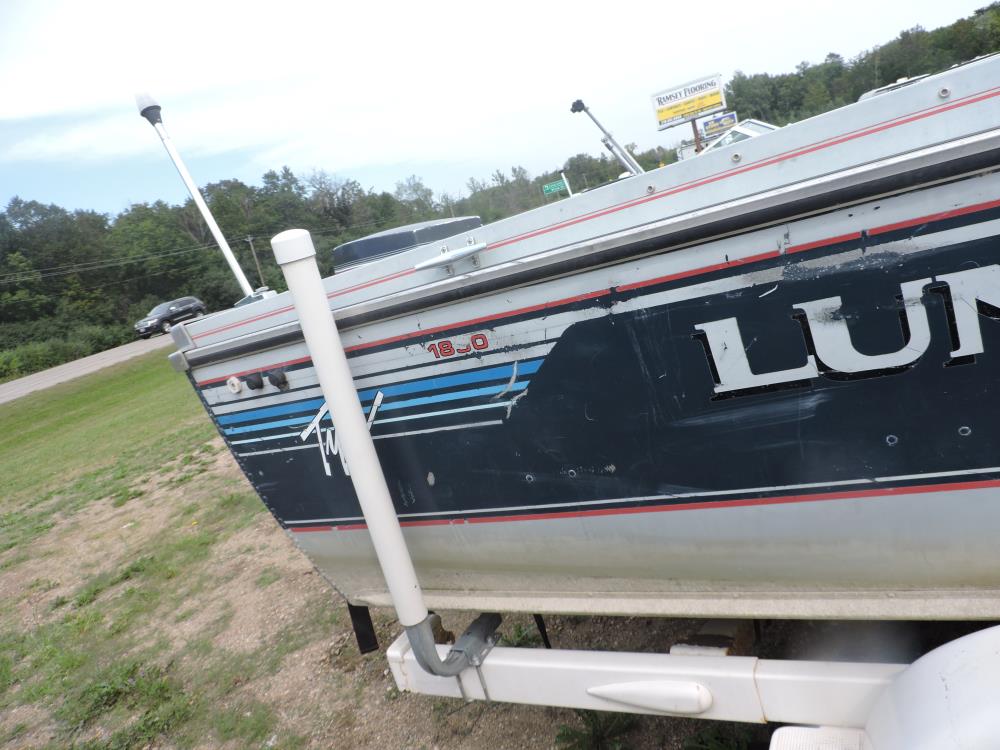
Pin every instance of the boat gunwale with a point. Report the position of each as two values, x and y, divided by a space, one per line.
621 246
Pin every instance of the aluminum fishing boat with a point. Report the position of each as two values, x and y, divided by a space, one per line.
760 383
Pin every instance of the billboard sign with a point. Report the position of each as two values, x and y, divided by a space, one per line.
689 101
716 126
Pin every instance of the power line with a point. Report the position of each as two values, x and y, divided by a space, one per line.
189 265
119 281
16 277
90 262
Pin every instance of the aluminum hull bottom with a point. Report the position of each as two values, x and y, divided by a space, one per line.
798 421
873 558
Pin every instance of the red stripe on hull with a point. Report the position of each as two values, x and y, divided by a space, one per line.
705 505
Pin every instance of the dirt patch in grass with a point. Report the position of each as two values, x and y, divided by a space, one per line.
268 582
107 532
26 726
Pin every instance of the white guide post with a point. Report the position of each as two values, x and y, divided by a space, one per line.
569 190
296 255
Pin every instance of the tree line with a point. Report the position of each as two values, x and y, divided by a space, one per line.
73 282
835 82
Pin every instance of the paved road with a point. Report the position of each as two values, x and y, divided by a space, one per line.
39 380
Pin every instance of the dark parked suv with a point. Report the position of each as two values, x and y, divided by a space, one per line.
165 315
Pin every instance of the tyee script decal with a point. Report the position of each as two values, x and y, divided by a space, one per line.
326 439
831 337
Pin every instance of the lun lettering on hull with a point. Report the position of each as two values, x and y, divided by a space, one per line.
833 348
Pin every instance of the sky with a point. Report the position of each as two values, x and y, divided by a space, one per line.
373 91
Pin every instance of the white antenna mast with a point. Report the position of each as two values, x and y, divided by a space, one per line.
623 156
150 110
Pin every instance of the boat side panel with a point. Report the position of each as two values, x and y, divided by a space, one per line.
599 438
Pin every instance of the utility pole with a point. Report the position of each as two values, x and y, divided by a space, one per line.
257 262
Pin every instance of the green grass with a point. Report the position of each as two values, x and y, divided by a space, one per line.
132 416
97 661
92 438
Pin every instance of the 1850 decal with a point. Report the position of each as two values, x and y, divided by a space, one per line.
452 347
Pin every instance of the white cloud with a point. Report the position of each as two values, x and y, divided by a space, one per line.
343 86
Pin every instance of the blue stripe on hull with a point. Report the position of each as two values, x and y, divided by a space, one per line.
391 406
415 386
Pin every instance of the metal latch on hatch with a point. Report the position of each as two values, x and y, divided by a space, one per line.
448 258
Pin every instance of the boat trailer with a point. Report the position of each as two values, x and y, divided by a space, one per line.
945 699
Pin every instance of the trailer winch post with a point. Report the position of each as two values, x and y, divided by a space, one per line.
296 256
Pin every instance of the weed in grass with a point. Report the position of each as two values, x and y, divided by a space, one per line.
249 722
601 731
719 737
15 731
165 707
17 527
130 683
234 510
133 603
70 664
100 583
286 742
154 722
178 479
441 708
520 637
14 561
122 496
45 660
268 576
202 646
6 672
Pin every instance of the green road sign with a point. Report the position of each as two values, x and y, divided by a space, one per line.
553 187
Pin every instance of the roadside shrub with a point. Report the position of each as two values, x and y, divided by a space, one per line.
96 338
10 365
42 354
23 359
